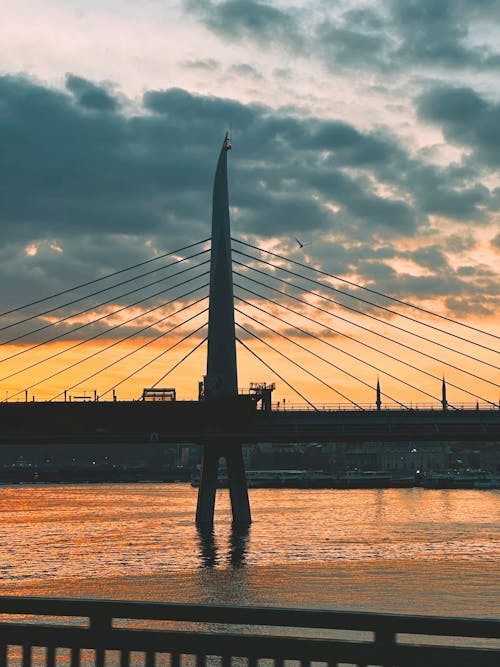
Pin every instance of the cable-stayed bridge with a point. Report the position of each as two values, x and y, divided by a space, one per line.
306 331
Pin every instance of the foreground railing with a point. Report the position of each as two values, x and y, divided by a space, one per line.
52 632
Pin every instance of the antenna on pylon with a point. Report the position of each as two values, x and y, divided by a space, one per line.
227 140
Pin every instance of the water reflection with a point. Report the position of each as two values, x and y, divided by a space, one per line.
237 547
208 548
240 533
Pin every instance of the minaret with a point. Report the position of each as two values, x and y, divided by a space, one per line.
379 399
221 380
444 402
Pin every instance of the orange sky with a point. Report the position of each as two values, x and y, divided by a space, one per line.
186 377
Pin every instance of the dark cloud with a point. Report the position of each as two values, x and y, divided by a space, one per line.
404 35
89 95
350 147
248 19
392 36
466 118
441 199
467 305
430 257
433 31
348 47
91 189
495 242
475 271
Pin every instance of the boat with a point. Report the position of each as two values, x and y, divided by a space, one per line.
461 479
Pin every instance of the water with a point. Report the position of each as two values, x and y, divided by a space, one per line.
397 550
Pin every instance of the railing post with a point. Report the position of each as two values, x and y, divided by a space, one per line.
75 656
100 626
385 636
26 659
50 659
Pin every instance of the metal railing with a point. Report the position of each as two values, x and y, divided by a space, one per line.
52 632
280 406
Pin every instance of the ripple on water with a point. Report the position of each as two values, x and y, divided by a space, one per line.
117 532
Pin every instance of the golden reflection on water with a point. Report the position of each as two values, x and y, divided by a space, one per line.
401 550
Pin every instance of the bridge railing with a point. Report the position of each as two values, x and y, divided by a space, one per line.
51 632
280 406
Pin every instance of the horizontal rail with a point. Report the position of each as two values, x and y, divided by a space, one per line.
262 616
101 634
343 407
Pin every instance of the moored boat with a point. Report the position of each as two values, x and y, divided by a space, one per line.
461 479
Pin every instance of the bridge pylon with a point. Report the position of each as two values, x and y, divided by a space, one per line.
221 379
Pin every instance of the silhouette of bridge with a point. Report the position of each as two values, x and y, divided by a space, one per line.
282 304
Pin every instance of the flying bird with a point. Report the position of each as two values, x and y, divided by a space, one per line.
301 245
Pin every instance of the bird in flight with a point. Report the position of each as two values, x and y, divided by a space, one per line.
301 245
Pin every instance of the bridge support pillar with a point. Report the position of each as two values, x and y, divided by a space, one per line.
238 490
208 485
240 504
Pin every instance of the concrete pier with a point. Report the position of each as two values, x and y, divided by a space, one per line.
238 491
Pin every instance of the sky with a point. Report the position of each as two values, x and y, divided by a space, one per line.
369 130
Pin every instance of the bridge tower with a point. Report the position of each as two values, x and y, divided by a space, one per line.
221 379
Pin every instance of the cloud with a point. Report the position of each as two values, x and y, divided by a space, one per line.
392 36
92 182
409 35
466 119
245 70
247 19
349 146
437 32
208 65
89 95
347 46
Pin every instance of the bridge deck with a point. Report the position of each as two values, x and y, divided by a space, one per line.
234 420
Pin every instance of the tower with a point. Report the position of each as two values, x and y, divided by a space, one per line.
221 379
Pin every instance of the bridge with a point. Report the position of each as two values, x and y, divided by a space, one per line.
256 298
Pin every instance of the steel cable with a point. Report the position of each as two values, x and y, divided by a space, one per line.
372 291
370 303
296 391
154 359
101 317
178 363
339 349
326 361
302 368
359 312
96 280
94 354
106 331
129 354
105 289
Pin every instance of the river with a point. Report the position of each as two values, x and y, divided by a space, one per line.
395 550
